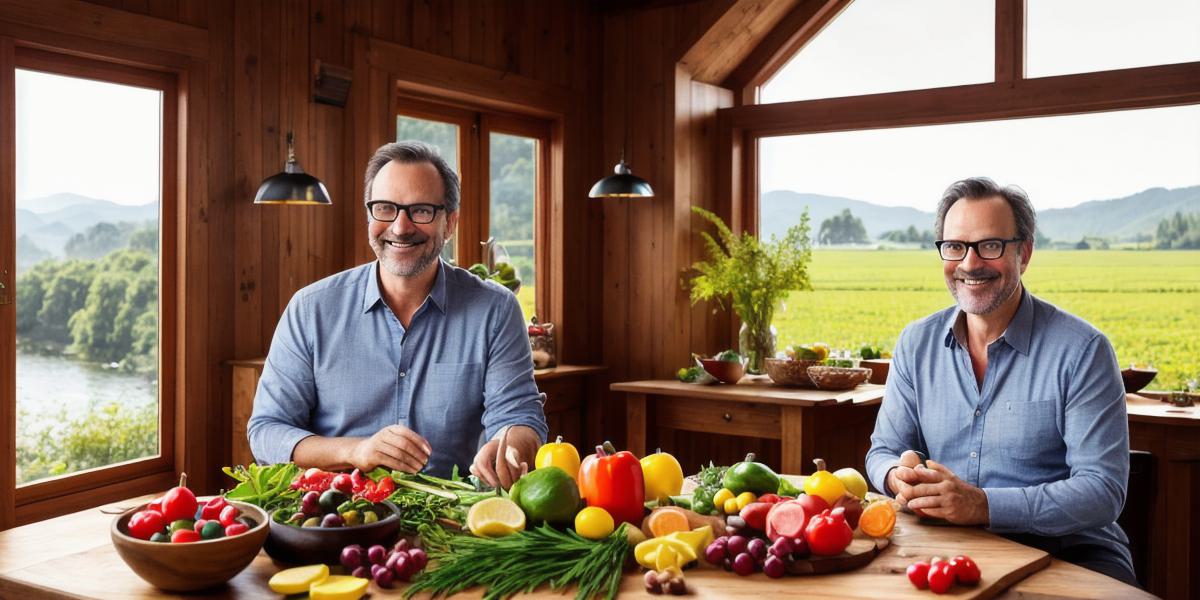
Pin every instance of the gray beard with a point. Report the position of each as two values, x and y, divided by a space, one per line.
414 268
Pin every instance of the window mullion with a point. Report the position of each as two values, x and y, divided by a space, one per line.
1010 40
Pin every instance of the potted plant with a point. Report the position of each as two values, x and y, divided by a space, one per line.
756 276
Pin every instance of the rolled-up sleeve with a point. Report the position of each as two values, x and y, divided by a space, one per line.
510 395
897 427
287 393
1096 433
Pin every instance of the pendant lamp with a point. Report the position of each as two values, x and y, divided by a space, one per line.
622 184
293 185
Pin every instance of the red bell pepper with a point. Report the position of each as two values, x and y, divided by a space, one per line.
313 480
613 481
377 492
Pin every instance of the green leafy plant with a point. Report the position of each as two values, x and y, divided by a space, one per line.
755 275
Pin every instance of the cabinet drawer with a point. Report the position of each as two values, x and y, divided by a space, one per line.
713 416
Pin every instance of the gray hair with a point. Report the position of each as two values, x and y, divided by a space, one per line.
978 188
413 152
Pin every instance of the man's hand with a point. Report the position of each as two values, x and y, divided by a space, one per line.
501 462
901 478
940 493
395 447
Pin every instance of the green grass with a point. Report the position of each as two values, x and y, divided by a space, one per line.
1147 303
526 297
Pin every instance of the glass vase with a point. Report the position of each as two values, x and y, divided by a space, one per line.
756 343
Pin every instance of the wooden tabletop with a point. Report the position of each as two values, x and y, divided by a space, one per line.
72 557
753 389
557 372
1151 410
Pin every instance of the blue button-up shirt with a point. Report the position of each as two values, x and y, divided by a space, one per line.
341 364
1045 436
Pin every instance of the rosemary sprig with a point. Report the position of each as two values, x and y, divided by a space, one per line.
523 562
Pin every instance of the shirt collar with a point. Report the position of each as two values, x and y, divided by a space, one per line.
1017 334
373 297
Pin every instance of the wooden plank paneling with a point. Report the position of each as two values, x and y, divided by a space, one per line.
8 243
110 25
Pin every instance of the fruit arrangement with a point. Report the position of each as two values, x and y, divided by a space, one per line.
504 274
178 518
384 566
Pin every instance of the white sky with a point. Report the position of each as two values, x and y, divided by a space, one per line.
91 138
888 45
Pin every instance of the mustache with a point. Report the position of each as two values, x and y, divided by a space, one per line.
412 238
976 274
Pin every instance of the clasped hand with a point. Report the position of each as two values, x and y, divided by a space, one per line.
934 490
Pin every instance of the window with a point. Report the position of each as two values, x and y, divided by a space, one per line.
502 204
1110 159
94 145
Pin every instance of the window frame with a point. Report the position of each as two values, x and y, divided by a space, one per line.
36 500
475 126
1011 95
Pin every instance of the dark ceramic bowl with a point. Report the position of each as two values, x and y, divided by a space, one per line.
194 565
311 545
724 371
1136 379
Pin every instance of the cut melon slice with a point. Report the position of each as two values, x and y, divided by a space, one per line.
298 579
339 587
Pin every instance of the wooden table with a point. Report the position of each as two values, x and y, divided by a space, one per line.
802 420
1171 434
72 557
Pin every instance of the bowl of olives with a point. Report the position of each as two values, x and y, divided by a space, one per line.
322 523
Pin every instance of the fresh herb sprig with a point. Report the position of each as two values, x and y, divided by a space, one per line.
268 487
708 484
523 562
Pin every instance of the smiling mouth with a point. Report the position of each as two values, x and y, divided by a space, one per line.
402 245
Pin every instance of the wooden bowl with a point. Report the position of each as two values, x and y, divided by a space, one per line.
312 545
195 565
785 371
724 371
879 369
838 378
1136 379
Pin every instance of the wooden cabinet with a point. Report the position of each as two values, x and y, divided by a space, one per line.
571 410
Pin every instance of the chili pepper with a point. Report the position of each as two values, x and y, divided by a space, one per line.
613 481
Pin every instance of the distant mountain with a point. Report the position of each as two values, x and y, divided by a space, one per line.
1119 219
50 221
55 202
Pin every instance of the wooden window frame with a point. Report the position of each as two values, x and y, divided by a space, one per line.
475 126
33 501
1011 95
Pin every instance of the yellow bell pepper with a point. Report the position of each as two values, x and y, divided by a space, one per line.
662 475
558 454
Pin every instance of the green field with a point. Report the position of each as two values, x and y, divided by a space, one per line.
1147 303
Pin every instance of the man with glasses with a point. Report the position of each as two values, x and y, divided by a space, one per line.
406 362
1018 405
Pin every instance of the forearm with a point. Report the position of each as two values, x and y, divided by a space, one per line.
327 453
1058 508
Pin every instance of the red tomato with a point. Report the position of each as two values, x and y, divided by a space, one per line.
965 570
918 574
235 528
229 515
342 483
179 502
183 536
941 577
145 523
155 504
212 508
828 534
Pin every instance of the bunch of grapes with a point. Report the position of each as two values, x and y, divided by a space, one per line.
746 554
382 566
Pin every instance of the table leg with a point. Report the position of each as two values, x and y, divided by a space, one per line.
796 439
635 423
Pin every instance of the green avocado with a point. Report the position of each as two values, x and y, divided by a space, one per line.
547 494
750 476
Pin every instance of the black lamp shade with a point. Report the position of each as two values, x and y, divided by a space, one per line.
622 184
293 185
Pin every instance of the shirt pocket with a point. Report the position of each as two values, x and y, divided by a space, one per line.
455 390
1029 431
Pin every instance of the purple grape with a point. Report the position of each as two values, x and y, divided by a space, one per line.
743 564
384 578
757 548
774 567
402 545
376 570
310 505
800 547
352 556
727 564
362 573
781 548
737 545
377 554
404 566
714 553
418 558
332 520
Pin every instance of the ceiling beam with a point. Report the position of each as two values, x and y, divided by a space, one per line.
734 35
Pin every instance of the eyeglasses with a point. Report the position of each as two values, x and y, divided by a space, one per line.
421 214
989 249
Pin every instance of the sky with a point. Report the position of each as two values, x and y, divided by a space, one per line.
887 45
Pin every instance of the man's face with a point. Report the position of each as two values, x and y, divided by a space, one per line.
981 286
404 248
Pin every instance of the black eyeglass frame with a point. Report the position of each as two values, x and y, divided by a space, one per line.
975 245
406 209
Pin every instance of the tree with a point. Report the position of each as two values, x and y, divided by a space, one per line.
843 228
98 240
65 294
1178 232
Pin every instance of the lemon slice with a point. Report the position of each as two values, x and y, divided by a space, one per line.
495 517
297 580
339 587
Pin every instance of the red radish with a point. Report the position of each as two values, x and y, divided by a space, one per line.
755 515
787 519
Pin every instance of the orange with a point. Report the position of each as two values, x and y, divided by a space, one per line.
878 519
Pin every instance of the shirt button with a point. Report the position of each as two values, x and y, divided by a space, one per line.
974 455
402 374
978 412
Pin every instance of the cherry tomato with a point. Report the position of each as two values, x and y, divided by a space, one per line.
235 528
229 515
342 483
965 570
179 502
145 523
941 577
918 574
184 536
212 508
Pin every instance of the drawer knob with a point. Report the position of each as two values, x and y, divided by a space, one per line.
728 417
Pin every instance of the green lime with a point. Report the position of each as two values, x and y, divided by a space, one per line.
547 494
